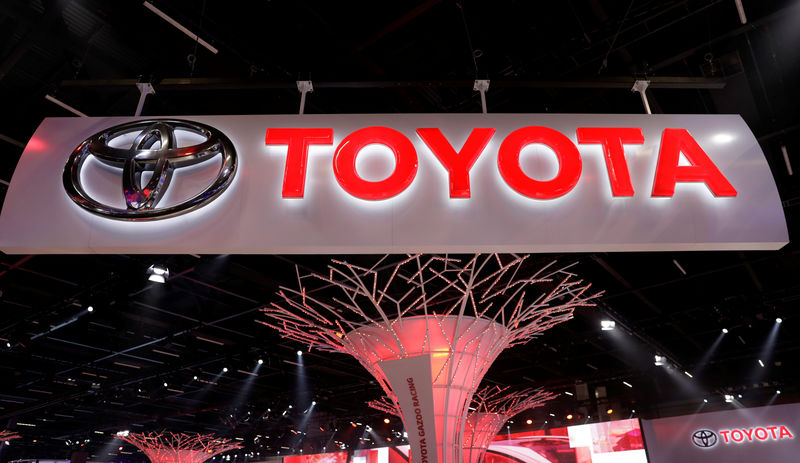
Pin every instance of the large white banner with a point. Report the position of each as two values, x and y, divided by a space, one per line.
392 183
411 381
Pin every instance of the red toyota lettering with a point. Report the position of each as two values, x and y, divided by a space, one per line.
702 169
763 432
748 433
784 433
297 141
405 169
612 139
569 163
458 164
724 435
735 433
772 430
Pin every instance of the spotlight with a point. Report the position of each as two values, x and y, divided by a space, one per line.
386 420
778 320
224 369
195 378
299 352
91 309
529 422
728 398
313 402
607 325
157 274
761 363
778 392
660 360
8 344
724 330
165 384
569 417
740 396
610 411
120 449
705 401
688 374
260 362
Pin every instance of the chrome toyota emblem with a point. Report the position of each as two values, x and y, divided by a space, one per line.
154 150
704 438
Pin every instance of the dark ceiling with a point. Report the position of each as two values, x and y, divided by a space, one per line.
72 376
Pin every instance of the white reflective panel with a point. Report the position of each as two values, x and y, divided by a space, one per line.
251 216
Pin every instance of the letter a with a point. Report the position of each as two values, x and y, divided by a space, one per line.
702 169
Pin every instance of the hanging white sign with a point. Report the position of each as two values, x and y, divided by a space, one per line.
392 183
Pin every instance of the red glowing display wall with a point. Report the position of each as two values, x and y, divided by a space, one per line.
609 442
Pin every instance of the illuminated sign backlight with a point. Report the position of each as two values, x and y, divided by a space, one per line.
376 183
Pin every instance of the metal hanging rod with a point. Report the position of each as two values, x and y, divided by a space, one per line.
215 83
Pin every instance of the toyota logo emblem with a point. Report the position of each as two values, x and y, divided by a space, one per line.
704 438
153 149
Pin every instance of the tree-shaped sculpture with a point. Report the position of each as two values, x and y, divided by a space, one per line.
7 435
491 407
171 447
494 406
428 328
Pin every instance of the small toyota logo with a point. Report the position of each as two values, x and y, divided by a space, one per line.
153 149
704 438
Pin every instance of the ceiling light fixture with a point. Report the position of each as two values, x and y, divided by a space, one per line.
607 325
660 360
90 309
778 320
157 274
724 330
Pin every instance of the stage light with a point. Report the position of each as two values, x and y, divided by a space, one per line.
705 401
299 352
778 392
660 360
8 344
610 411
728 398
194 378
352 424
157 274
260 362
778 320
724 330
551 414
224 369
740 396
165 384
569 417
529 421
91 309
627 384
313 402
688 374
568 393
761 363
386 420
607 325
120 449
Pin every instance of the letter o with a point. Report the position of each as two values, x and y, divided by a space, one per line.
736 432
405 169
763 431
569 162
